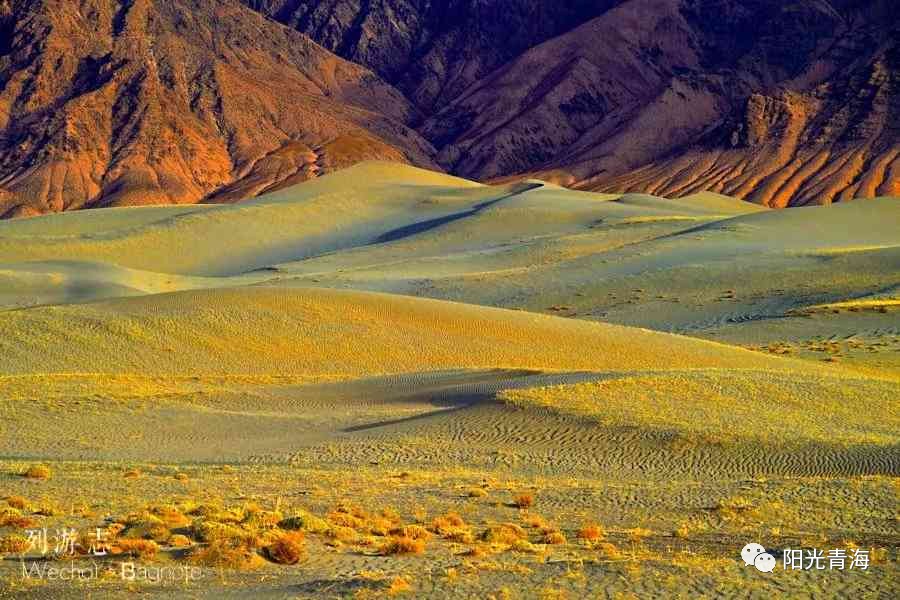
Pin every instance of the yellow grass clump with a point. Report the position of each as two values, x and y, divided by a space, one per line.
523 500
288 548
591 532
399 585
17 502
402 545
138 548
13 517
226 555
37 472
302 520
554 538
504 533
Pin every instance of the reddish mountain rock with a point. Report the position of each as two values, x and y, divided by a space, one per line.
122 102
108 103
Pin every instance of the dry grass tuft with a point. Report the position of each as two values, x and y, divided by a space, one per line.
504 533
608 551
523 500
402 545
535 521
452 527
226 555
17 502
37 472
525 547
302 520
13 544
554 538
13 517
287 549
144 549
179 541
591 532
263 519
225 533
147 526
399 585
638 534
416 532
170 515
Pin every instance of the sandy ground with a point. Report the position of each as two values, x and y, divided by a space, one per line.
687 375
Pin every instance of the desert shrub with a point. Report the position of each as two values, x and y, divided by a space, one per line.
608 551
17 502
591 532
179 541
416 532
525 547
13 544
263 519
287 549
402 545
138 548
13 517
504 533
638 534
523 500
302 520
225 555
37 472
147 526
345 519
554 538
213 531
399 585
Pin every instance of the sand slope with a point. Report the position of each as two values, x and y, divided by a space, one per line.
310 332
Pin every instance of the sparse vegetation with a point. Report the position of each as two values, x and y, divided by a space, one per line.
397 544
591 532
37 472
287 549
523 500
138 548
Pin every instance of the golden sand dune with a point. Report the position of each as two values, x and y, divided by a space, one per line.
319 332
330 213
284 336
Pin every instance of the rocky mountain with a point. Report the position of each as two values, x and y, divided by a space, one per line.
774 101
109 103
120 102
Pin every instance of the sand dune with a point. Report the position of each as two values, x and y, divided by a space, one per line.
319 332
352 337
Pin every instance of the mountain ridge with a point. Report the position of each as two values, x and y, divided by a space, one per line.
113 103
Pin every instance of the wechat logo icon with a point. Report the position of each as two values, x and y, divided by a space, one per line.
754 554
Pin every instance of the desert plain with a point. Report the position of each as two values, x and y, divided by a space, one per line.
393 382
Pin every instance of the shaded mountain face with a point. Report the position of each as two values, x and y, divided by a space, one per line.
122 102
432 50
777 102
108 103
